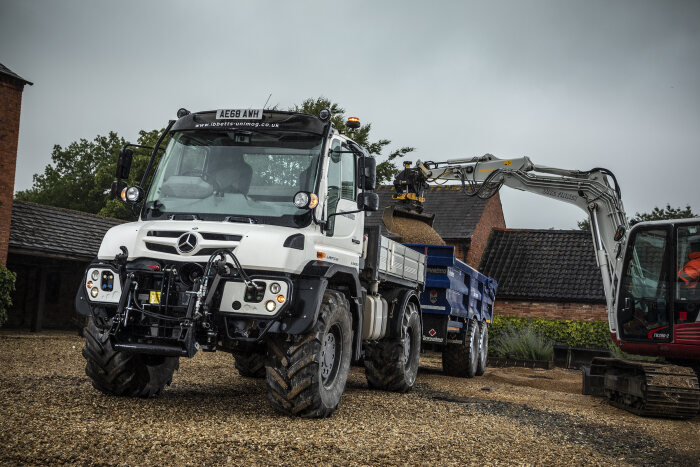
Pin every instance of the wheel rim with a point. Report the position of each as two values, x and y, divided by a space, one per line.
474 347
407 346
331 349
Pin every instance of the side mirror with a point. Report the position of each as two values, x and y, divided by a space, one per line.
367 173
126 155
368 201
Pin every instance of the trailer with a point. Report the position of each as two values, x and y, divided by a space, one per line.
456 309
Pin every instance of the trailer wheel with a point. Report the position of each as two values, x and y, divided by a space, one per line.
121 373
306 374
462 359
483 349
250 364
392 364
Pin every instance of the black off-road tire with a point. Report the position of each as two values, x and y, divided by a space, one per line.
462 359
483 348
392 364
306 374
121 373
250 364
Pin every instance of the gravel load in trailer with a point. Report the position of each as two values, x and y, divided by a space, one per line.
457 309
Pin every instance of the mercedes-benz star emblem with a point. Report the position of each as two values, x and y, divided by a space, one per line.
187 243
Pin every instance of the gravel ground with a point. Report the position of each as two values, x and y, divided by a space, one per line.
51 414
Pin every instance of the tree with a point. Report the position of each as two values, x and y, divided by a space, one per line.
386 169
79 176
656 214
665 213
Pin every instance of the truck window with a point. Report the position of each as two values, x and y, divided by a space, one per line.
347 175
645 285
687 273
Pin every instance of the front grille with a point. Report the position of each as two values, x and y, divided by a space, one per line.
164 233
161 248
221 237
207 251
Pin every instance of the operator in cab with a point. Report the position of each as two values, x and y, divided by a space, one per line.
690 273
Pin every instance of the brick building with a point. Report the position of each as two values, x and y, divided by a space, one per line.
49 249
11 87
462 221
545 274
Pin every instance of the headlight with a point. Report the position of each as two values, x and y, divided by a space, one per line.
275 288
89 284
304 200
301 200
270 306
95 275
94 292
133 194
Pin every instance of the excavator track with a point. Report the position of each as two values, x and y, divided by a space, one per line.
647 389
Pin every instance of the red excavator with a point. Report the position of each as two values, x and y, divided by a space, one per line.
650 275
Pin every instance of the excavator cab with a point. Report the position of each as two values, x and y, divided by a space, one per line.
659 291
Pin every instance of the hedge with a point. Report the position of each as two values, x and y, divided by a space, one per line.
7 286
586 334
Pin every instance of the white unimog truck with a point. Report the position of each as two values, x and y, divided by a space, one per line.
251 239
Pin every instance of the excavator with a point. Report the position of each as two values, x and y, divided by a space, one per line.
653 306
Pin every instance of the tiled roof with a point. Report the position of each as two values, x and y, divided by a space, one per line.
7 72
557 265
57 231
456 215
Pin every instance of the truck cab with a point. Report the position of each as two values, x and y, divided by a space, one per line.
250 238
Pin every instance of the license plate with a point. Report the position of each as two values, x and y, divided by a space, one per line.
154 298
239 114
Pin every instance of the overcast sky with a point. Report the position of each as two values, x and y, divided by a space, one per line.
573 84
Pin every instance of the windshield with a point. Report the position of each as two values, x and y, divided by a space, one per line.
244 175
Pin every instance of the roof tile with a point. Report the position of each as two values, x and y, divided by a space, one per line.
56 230
554 265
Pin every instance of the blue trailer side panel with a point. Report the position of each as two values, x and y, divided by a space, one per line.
454 293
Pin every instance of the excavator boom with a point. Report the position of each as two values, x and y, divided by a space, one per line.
646 389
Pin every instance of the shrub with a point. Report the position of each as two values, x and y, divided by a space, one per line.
587 334
523 343
7 286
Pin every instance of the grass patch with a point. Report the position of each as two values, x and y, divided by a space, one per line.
524 343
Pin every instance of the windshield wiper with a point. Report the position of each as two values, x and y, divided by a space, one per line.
241 219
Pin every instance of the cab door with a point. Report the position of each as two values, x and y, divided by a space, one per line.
344 234
644 309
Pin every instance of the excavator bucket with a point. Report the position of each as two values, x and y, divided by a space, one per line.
393 212
411 226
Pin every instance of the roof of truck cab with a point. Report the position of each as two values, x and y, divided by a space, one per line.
61 232
547 265
456 215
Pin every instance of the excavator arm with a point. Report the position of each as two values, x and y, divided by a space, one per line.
594 191
644 388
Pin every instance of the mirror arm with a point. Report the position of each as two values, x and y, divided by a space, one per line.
344 212
153 154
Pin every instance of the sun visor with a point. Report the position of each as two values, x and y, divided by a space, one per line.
254 119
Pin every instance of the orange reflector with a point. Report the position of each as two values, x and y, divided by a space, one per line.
320 255
313 200
280 299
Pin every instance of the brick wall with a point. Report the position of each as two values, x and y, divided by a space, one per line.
10 106
491 218
551 310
